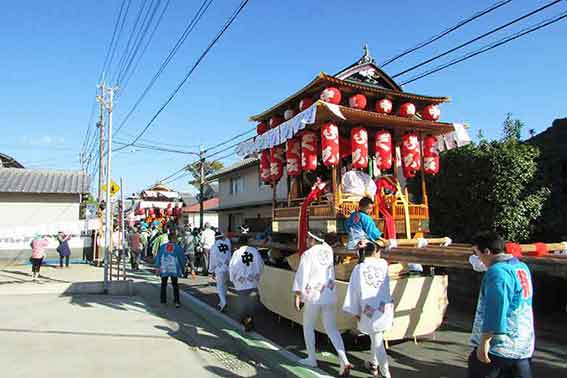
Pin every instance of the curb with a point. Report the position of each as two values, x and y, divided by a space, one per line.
257 346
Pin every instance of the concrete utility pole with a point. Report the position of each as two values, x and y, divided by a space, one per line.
201 185
100 126
108 210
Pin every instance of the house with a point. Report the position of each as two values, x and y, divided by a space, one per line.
243 198
38 202
192 215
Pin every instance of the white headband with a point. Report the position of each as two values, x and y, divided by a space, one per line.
320 240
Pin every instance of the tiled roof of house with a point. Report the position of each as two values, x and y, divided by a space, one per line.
209 204
17 180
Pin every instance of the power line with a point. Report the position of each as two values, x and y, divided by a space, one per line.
152 34
118 35
231 139
144 31
188 30
490 47
127 48
112 40
446 32
190 72
156 148
477 38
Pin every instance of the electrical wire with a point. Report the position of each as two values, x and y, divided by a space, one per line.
118 35
231 139
445 32
489 47
477 38
182 38
193 68
152 34
144 31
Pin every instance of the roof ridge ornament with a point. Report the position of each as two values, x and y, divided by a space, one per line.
367 57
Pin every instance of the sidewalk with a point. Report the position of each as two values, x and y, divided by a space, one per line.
230 353
119 331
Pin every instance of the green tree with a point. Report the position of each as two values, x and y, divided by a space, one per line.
489 185
210 168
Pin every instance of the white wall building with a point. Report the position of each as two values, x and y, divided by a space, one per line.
243 198
41 200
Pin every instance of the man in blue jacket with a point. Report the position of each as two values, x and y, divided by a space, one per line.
503 329
360 226
170 261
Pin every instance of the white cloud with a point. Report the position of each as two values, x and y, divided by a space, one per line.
46 140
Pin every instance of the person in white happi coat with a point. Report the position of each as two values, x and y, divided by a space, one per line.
368 299
314 285
245 270
218 266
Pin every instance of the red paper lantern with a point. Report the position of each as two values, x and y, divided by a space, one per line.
169 212
309 151
170 205
288 114
358 101
330 144
305 103
151 212
410 155
274 121
430 155
359 143
407 109
140 211
293 157
261 128
265 169
276 164
431 113
384 106
383 148
332 95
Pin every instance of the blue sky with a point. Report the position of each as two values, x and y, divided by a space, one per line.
52 53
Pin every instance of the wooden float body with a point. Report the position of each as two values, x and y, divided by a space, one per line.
420 302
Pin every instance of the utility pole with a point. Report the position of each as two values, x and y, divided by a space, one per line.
108 209
201 185
100 125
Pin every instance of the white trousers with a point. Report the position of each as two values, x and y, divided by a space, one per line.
378 354
310 314
221 279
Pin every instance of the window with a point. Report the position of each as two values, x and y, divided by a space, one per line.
236 185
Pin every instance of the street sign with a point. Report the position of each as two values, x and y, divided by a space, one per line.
114 188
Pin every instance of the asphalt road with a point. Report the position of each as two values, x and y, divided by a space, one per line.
441 355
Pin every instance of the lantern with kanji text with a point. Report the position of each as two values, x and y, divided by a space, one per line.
358 101
332 95
407 109
383 149
410 155
309 151
265 169
359 143
330 144
431 113
293 157
430 155
276 164
384 106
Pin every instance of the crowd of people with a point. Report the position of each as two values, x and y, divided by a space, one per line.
503 332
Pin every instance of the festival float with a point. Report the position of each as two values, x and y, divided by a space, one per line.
360 120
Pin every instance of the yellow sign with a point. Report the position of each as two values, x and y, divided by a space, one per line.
114 188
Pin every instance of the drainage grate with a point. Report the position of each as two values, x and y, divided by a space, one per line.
228 360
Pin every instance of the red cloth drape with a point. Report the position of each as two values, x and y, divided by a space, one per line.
389 224
316 190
